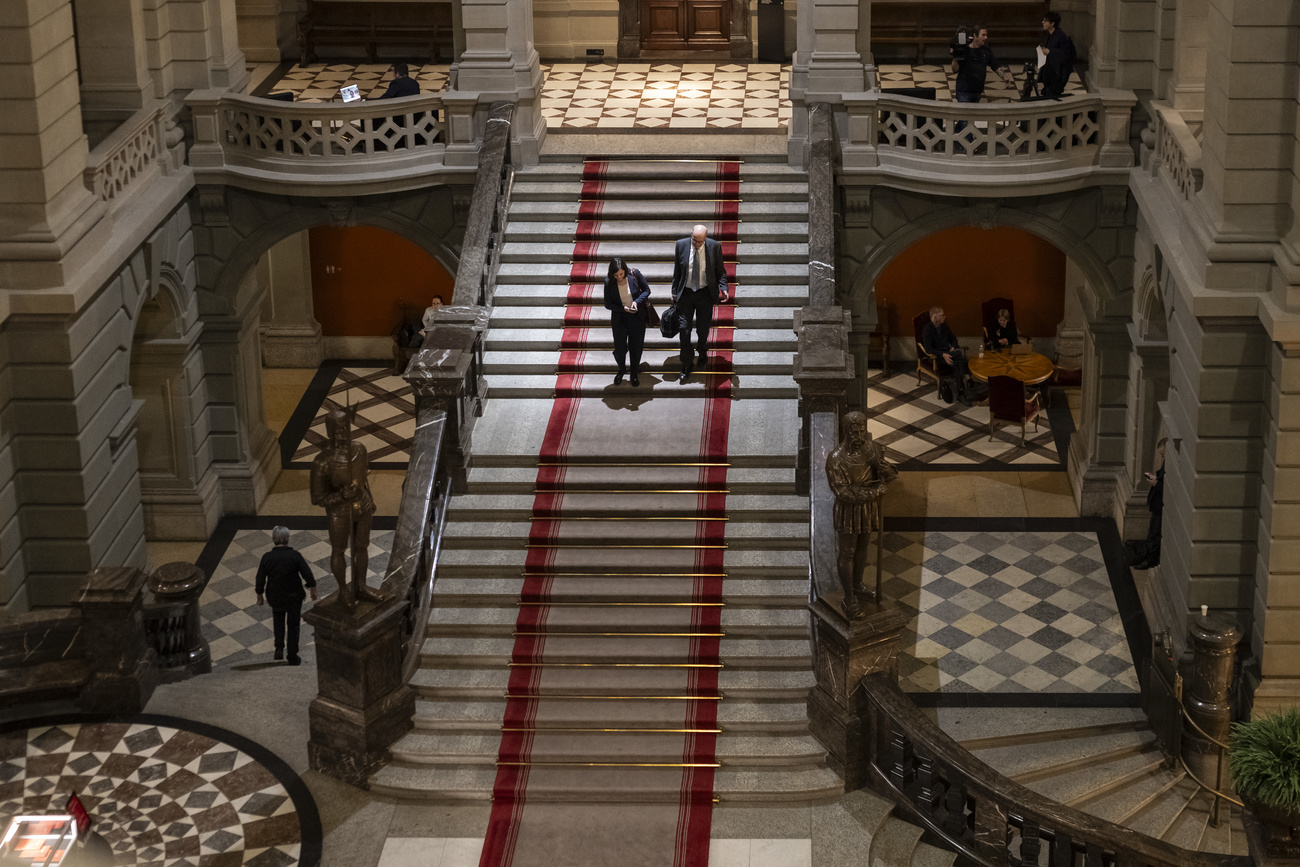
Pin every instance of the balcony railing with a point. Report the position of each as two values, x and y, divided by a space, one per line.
978 142
1178 153
329 143
131 156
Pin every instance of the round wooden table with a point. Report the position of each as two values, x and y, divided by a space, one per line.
1029 367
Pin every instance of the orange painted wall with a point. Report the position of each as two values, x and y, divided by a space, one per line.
960 268
359 273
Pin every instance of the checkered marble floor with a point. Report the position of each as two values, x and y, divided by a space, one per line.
666 95
236 628
321 82
918 429
385 417
158 795
942 79
1007 612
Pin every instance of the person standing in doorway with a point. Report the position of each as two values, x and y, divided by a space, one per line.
699 281
1148 550
281 576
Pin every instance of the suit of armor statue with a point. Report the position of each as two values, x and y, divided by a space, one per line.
858 474
340 483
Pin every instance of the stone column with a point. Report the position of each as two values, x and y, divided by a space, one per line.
259 29
1101 56
500 64
1209 697
111 55
123 669
1187 86
291 336
50 224
828 62
1097 450
1248 139
1135 44
226 66
1274 636
362 706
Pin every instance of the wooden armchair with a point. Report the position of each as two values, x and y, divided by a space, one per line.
927 364
1009 403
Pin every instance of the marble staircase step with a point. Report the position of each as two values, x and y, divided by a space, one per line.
772 653
685 192
683 166
617 617
513 385
654 360
743 317
1026 762
625 535
736 592
464 683
1122 804
794 294
755 564
1080 786
656 273
601 340
740 507
561 231
567 208
740 480
642 254
452 784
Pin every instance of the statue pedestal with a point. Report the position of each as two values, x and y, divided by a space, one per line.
362 706
844 652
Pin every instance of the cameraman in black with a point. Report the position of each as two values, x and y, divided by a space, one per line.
972 63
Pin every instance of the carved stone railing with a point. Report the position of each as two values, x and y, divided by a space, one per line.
130 157
172 625
327 144
983 815
480 255
1178 154
413 564
921 139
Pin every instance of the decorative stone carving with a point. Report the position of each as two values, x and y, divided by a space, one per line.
859 476
857 207
212 204
1112 206
984 215
341 212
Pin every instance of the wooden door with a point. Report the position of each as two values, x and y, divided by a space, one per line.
685 25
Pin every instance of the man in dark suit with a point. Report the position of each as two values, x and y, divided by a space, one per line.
939 341
402 83
278 581
699 281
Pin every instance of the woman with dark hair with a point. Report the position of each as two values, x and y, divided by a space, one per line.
627 297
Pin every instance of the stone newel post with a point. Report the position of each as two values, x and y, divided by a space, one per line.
362 706
123 668
1208 699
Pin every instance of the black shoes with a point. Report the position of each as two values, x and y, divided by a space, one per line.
618 378
686 371
279 655
704 359
295 660
635 382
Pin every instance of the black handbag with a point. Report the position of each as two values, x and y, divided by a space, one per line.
668 324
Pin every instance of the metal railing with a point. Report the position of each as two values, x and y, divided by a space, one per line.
990 819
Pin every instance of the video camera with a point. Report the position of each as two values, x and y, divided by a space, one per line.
961 41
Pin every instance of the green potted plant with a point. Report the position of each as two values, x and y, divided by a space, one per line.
1264 756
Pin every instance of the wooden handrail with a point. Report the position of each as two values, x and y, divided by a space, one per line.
979 812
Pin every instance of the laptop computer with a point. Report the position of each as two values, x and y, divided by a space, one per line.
351 93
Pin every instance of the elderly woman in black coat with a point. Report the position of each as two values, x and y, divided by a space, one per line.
627 297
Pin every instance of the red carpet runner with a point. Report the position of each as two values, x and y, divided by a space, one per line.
646 767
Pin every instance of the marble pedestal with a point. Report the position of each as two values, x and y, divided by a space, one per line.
123 668
844 652
362 706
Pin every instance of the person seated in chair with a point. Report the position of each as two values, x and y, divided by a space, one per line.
1004 333
939 341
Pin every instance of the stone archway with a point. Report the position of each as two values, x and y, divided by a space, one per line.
237 228
1091 226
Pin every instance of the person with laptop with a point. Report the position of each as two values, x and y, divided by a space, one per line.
402 83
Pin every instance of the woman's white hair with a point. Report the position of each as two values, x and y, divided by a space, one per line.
280 535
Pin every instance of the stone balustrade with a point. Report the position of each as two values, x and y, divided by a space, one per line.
132 155
260 142
986 144
1178 153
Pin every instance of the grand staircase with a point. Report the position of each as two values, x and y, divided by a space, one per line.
1103 761
614 578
